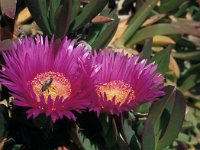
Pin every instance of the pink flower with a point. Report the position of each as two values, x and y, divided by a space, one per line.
123 83
46 78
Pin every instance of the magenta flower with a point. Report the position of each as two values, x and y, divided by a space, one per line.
46 78
123 83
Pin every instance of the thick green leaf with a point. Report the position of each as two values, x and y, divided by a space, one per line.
63 18
134 143
91 10
194 56
181 27
148 136
130 136
175 122
107 31
93 33
85 142
189 82
143 108
110 131
162 59
54 5
38 10
136 21
182 9
120 145
188 139
190 78
147 49
169 5
128 131
75 8
164 129
3 121
157 108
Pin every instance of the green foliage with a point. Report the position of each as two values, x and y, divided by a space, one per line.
101 34
162 58
63 17
136 21
164 121
165 29
161 125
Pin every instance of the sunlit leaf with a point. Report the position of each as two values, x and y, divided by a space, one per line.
23 16
136 21
173 65
153 19
160 40
86 143
181 27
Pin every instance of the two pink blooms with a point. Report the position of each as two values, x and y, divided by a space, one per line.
60 79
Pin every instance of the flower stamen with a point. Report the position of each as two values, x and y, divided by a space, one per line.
51 84
117 89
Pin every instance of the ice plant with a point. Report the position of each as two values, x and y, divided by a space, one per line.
123 83
46 77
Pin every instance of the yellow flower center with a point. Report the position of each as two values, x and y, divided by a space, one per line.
51 84
118 89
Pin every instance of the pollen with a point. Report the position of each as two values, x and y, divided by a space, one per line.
51 84
117 89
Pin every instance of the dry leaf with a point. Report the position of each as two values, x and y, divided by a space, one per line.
23 16
101 19
174 66
120 29
153 19
2 143
161 40
62 148
126 51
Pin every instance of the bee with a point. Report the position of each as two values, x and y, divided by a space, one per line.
46 84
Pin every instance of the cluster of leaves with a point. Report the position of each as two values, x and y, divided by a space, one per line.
164 31
169 31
